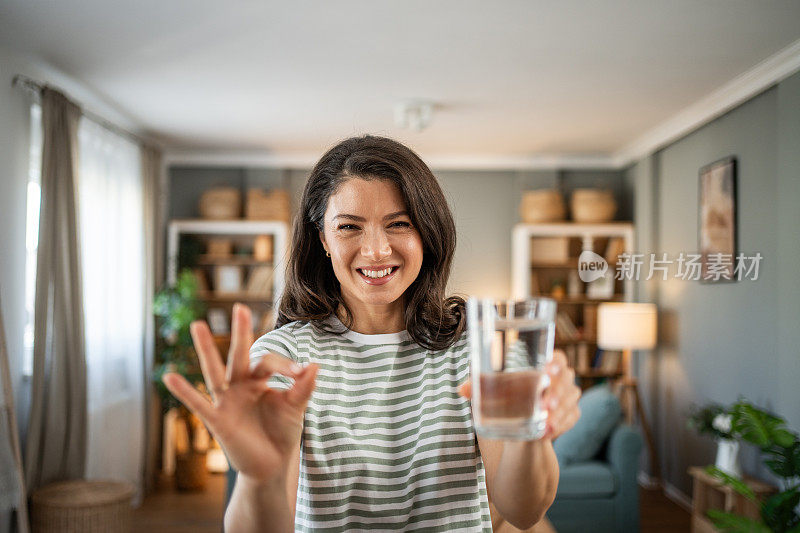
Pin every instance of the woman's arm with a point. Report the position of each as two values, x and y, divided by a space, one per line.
249 496
259 507
521 478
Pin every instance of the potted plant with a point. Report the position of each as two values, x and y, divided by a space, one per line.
780 449
715 420
176 308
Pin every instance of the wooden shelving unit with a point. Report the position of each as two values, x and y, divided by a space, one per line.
242 234
710 493
534 275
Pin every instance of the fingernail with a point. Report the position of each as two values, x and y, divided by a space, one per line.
552 403
295 368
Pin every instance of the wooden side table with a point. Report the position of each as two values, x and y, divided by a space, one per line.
710 493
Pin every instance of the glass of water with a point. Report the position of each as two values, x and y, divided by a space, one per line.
510 342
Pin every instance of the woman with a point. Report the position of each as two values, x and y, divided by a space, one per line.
354 413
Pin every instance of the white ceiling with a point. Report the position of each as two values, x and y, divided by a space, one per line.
509 78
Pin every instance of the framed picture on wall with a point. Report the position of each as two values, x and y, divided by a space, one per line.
717 221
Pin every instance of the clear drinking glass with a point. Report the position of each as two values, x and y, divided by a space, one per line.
510 343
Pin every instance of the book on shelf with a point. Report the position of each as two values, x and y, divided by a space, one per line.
535 288
565 328
611 361
582 357
615 247
597 358
571 353
202 281
590 321
259 283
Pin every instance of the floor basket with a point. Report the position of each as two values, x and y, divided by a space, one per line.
87 506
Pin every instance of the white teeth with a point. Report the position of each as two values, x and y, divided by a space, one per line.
377 273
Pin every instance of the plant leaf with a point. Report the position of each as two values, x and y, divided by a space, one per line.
778 510
736 484
783 438
732 523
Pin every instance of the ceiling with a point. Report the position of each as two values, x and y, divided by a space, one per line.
508 78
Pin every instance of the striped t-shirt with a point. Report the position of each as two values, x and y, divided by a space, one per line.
388 444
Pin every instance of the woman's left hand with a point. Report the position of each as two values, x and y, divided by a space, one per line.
560 398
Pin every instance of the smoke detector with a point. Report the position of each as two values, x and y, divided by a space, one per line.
413 114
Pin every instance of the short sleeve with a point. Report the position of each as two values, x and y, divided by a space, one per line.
279 341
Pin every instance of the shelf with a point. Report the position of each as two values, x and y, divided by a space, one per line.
572 263
235 297
203 260
577 300
572 342
596 373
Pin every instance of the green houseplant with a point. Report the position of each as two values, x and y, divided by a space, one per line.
176 308
780 449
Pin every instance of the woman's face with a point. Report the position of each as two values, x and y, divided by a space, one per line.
375 250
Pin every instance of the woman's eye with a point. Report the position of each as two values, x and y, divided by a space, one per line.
347 227
401 224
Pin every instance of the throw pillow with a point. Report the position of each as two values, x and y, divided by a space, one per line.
600 414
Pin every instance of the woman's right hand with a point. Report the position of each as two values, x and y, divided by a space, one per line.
258 427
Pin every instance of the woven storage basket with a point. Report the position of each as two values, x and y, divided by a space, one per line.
593 205
221 203
267 206
544 205
85 506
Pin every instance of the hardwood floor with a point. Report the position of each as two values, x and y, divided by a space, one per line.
659 514
168 510
201 512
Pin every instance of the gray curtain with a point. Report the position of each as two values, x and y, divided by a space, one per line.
154 249
56 443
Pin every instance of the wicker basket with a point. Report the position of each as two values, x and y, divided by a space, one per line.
267 206
221 203
85 506
544 205
593 205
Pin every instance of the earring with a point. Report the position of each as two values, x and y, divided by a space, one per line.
327 253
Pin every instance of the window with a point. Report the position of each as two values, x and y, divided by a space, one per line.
32 233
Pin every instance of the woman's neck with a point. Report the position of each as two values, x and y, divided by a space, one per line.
376 320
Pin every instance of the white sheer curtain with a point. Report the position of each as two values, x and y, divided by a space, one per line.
112 235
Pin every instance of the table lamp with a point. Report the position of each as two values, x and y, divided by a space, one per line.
629 326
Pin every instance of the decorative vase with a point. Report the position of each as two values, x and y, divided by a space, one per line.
728 457
191 473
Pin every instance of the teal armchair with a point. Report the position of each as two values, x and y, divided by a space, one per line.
601 495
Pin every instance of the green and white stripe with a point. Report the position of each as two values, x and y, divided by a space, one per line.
388 444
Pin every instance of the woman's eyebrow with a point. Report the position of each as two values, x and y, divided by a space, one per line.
362 219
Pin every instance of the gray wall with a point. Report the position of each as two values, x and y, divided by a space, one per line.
723 341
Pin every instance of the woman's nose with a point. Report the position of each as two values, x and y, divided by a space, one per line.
376 246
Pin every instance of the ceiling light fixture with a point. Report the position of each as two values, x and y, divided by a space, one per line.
413 114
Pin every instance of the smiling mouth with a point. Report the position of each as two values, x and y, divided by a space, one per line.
377 274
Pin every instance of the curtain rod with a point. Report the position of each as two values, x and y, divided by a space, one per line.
35 89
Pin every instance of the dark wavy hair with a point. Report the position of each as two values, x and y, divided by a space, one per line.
313 293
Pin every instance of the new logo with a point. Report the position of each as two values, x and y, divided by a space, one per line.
591 266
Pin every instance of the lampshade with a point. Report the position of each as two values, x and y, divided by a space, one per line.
626 326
